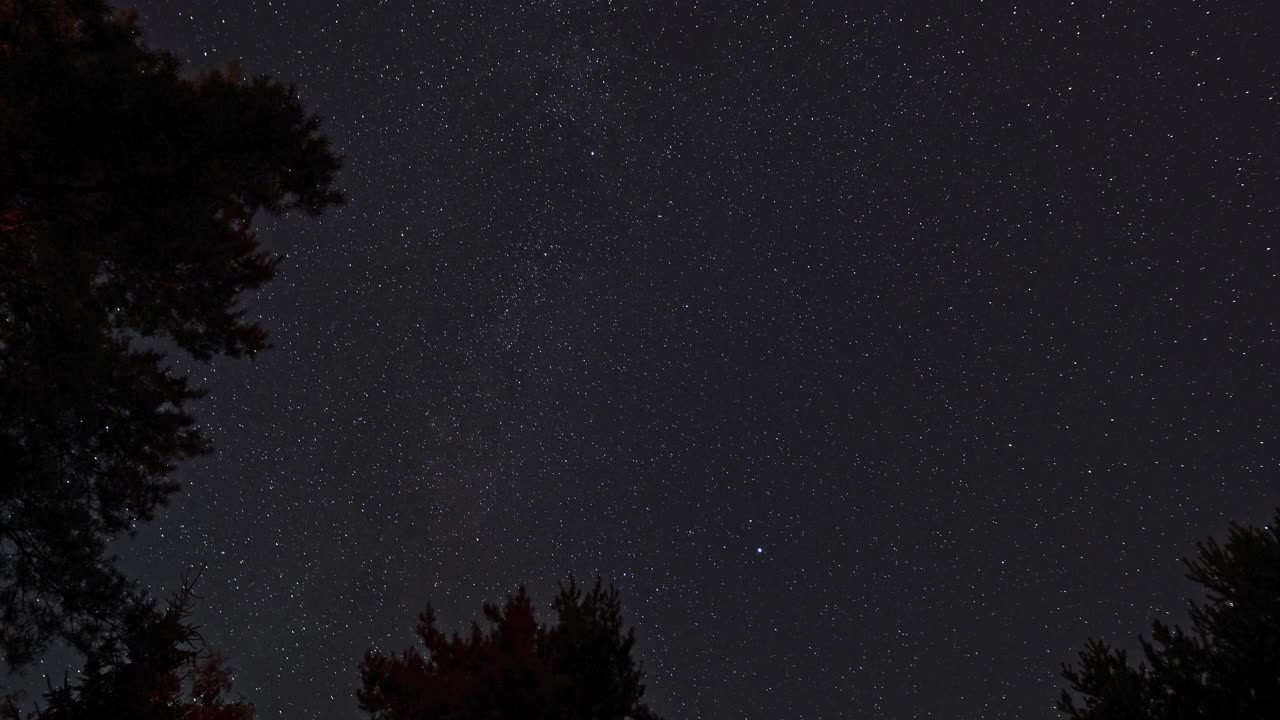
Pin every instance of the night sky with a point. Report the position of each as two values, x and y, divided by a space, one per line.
879 355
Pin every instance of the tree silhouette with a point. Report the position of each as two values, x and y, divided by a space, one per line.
581 668
1227 667
152 665
127 195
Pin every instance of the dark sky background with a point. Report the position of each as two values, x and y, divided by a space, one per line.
880 355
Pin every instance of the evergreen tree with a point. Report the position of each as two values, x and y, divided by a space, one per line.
1227 667
127 196
152 665
581 668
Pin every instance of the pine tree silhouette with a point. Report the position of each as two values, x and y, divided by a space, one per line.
1226 667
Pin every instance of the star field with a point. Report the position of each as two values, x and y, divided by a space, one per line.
881 354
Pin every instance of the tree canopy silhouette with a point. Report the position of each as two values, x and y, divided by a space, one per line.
152 665
1227 666
127 196
580 668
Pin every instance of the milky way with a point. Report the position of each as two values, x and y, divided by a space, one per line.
880 356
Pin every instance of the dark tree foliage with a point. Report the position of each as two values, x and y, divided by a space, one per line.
581 668
1226 667
152 665
127 194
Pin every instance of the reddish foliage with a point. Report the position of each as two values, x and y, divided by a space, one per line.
579 668
487 670
211 681
11 219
